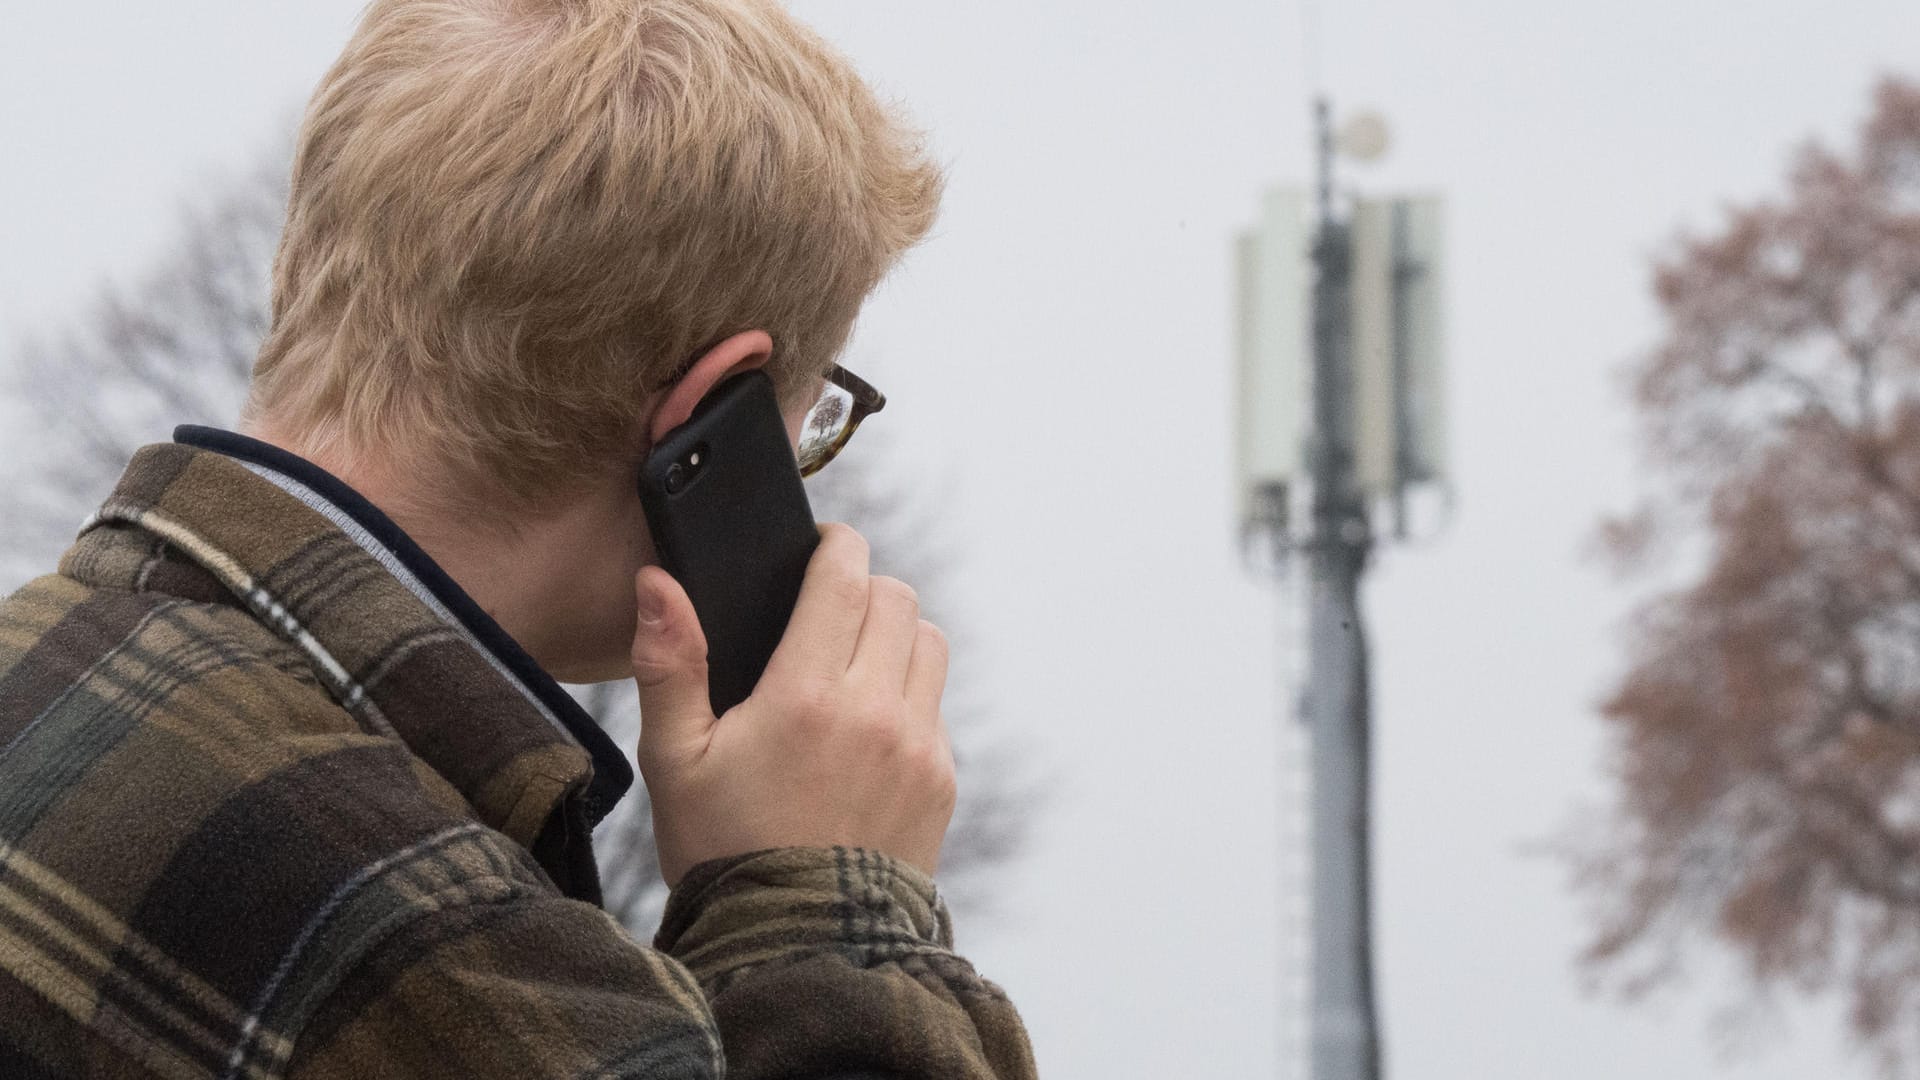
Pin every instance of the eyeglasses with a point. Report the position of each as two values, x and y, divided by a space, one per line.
846 400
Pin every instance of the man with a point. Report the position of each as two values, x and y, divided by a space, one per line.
287 786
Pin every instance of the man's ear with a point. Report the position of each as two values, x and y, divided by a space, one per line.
741 352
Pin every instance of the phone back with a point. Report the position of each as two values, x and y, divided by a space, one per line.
731 522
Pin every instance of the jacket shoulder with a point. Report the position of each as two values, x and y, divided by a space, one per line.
185 813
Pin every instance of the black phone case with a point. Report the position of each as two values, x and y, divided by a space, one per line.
738 532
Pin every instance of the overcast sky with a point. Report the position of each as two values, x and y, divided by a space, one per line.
1058 362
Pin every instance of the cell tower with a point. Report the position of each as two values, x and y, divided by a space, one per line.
1341 426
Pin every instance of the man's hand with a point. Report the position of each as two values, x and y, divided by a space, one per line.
841 742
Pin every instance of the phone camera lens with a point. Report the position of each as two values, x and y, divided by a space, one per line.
676 478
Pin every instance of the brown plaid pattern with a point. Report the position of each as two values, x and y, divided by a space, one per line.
265 813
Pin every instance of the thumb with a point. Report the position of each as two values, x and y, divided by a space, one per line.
670 666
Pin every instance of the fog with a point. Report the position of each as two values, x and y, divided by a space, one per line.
1058 361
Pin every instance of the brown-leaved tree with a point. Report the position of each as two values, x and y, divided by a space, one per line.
1766 731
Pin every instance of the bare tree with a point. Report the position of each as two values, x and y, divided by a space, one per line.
179 348
1766 733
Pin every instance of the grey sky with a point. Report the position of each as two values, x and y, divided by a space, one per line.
1074 305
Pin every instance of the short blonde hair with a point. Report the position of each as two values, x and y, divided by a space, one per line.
513 220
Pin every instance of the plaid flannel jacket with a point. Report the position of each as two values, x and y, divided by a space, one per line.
278 800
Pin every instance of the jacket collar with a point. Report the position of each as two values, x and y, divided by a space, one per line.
397 642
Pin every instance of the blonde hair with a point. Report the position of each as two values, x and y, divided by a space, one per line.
513 220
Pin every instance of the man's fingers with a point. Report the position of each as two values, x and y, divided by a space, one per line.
887 637
927 671
670 666
825 626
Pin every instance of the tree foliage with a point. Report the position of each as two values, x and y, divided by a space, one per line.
178 347
1767 728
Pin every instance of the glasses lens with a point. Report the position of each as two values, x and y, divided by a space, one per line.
825 427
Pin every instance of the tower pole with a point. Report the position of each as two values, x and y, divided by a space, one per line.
1344 1025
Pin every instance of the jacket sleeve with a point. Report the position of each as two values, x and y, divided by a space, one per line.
838 963
805 965
531 987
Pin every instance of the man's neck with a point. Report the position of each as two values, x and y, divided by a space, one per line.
510 573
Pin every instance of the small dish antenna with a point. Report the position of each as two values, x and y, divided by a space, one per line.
1364 137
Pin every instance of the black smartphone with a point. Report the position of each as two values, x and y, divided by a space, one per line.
731 522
